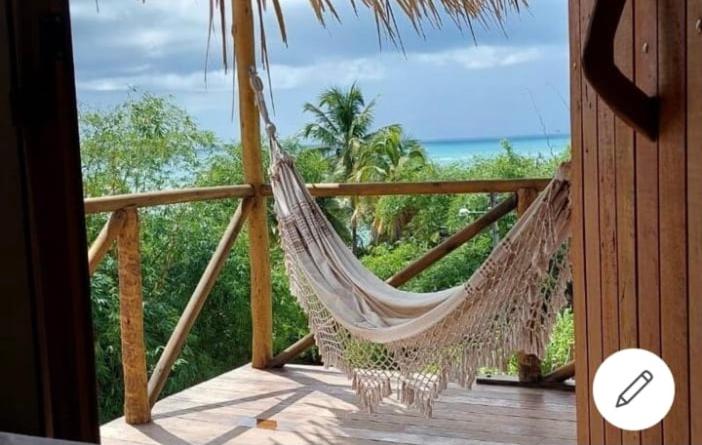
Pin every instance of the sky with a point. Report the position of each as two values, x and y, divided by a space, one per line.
510 82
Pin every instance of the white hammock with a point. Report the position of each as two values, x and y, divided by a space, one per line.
386 338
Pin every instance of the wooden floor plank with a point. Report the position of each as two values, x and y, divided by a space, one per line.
310 405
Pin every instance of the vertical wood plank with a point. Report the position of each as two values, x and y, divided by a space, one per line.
607 191
672 206
625 156
136 401
261 302
694 206
591 230
578 230
647 229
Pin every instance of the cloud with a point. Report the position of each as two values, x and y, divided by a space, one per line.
332 71
159 46
284 77
482 57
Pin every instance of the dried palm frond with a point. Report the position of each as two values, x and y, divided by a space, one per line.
463 13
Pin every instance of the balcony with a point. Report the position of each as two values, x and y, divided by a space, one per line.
297 404
300 404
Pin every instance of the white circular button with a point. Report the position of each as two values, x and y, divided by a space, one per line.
633 389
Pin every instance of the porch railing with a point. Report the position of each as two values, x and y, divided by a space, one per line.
122 229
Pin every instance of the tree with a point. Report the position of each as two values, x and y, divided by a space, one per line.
390 157
342 125
342 122
143 144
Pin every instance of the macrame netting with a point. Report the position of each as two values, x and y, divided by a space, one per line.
391 341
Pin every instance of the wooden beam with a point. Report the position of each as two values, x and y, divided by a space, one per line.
292 351
197 300
561 374
508 380
414 269
103 242
136 401
453 242
421 188
163 197
249 121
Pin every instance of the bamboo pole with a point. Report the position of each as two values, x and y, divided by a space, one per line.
136 401
420 188
197 300
414 269
261 304
453 242
529 365
292 351
561 374
162 197
103 242
113 203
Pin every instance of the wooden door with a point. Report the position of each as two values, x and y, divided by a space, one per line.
46 349
637 206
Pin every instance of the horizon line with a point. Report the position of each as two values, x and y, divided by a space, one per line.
494 138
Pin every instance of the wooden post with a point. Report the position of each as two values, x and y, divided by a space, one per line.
529 365
136 401
261 305
197 300
494 229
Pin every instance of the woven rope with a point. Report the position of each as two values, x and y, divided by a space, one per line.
387 340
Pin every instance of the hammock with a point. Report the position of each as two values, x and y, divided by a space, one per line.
386 339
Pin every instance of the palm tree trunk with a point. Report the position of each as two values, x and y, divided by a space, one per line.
354 236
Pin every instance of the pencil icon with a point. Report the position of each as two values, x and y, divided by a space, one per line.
634 388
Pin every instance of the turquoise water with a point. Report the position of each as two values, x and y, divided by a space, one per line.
456 150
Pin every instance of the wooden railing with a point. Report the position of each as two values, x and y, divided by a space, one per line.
122 227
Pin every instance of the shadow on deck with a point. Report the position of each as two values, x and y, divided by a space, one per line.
312 405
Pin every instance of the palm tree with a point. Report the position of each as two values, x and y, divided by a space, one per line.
390 157
342 126
342 122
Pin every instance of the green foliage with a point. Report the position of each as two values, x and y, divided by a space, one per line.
140 145
148 143
560 350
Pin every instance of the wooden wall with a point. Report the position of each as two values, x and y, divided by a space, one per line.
637 245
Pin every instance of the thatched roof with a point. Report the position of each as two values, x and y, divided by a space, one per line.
463 13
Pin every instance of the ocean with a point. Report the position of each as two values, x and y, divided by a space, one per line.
457 150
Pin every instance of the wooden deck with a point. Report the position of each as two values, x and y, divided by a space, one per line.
312 405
